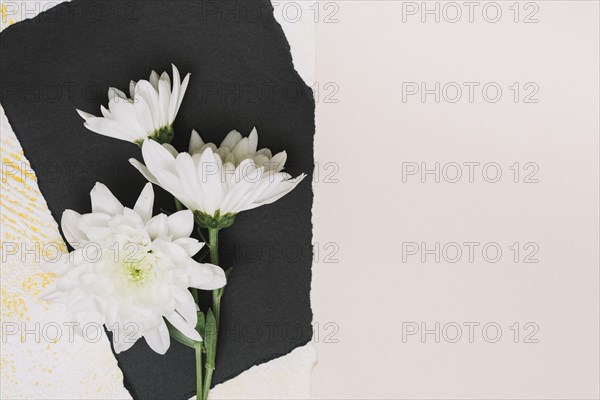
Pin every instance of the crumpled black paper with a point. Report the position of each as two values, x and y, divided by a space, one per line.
242 76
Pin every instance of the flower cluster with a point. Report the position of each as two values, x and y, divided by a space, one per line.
218 181
149 113
130 269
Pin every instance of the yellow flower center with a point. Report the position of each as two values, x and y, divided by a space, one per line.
138 271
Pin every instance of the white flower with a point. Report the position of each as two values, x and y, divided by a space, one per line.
149 113
218 181
129 270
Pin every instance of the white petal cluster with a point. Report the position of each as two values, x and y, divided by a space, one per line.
228 179
131 271
148 113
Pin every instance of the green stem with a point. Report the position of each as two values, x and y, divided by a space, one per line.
199 391
216 298
209 373
213 245
213 237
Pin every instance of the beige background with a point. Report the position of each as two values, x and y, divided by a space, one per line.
370 212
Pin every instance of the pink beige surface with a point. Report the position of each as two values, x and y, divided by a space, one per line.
370 132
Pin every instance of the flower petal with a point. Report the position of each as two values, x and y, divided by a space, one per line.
181 93
231 140
144 204
196 142
144 170
103 201
253 141
276 192
277 163
157 158
154 79
157 226
73 234
115 94
158 338
206 276
149 94
191 245
171 149
212 188
164 95
123 345
108 127
85 115
181 224
183 326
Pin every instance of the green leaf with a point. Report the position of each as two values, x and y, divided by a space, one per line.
210 339
180 337
178 205
200 324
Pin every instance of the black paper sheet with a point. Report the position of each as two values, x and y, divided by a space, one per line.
242 76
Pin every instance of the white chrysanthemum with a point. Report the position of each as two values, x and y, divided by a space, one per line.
218 181
149 113
130 271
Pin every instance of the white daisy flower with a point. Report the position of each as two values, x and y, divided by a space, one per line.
217 183
149 113
131 271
